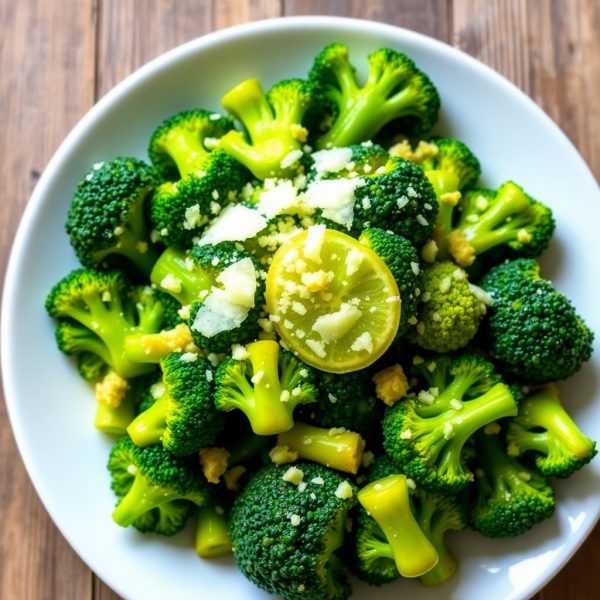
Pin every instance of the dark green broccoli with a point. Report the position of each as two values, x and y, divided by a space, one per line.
106 220
273 124
199 182
510 497
395 91
222 283
435 514
425 436
402 260
172 308
450 310
91 367
267 386
285 540
544 427
157 491
394 537
506 219
336 448
101 309
183 418
348 401
532 330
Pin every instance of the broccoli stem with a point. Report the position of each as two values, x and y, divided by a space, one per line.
387 501
331 566
187 150
248 447
545 410
172 262
115 421
492 227
141 498
267 413
152 347
134 243
443 182
212 533
149 427
342 452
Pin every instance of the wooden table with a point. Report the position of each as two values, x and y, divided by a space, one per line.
57 57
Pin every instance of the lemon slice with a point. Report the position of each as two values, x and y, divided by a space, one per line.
333 301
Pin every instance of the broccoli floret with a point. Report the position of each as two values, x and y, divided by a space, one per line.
278 231
223 311
395 535
403 262
184 417
507 219
449 311
106 219
510 497
346 400
156 490
172 308
101 309
425 436
91 367
267 386
399 199
336 448
270 121
544 427
532 330
395 90
285 540
362 159
199 182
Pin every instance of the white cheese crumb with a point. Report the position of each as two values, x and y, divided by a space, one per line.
106 296
406 434
415 267
335 326
425 397
335 431
445 285
218 314
426 297
455 404
354 259
335 198
402 202
363 342
344 490
481 203
257 377
301 587
236 223
314 242
436 316
215 208
285 396
421 220
481 295
298 308
366 202
331 161
429 251
209 375
448 431
291 159
302 486
295 520
293 475
410 484
317 480
193 218
278 200
458 274
317 347
239 352
171 283
296 391
189 357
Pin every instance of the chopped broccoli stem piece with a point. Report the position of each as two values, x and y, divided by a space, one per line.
115 421
266 387
151 348
212 532
341 450
545 427
387 501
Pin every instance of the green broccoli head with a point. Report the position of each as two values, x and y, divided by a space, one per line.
172 307
532 330
273 122
395 91
156 490
450 310
106 221
183 418
399 199
544 427
510 498
425 436
98 310
199 182
224 288
267 386
402 260
348 401
285 540
508 220
278 231
90 365
352 161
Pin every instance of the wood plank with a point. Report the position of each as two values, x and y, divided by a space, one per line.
432 17
233 12
47 83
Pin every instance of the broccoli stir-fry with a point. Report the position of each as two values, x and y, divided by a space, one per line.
309 330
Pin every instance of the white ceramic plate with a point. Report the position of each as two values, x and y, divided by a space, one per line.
52 409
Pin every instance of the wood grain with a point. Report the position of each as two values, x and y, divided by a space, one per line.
57 58
47 84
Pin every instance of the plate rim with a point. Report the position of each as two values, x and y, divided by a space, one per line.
59 159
